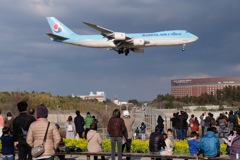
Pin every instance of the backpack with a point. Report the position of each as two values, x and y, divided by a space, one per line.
70 128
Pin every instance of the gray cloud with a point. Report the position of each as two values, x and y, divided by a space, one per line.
30 61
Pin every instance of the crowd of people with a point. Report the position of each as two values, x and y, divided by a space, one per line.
29 129
226 126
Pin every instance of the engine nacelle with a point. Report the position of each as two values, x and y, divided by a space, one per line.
138 42
119 36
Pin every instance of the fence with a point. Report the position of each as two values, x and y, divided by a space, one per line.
147 155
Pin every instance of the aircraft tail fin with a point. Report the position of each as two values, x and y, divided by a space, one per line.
59 30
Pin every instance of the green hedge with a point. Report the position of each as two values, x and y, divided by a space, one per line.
138 146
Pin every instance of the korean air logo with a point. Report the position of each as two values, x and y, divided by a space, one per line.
57 28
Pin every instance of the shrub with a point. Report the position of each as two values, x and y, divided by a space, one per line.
181 147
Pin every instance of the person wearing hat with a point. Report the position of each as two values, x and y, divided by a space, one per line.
20 128
37 131
128 120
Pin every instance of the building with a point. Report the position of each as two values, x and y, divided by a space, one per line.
197 86
119 103
100 96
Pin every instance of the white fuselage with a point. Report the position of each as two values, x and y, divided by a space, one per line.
157 39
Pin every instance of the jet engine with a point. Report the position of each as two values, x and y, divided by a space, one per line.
119 36
138 42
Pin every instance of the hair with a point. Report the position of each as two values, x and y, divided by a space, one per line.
238 130
9 114
69 119
210 129
193 134
57 126
165 136
169 130
231 132
77 112
5 130
22 106
192 115
116 113
31 111
88 112
93 126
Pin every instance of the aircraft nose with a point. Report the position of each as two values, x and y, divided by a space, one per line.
195 38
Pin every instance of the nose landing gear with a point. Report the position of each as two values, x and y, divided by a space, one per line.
183 48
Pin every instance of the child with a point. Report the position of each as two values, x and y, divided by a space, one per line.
193 144
229 141
7 144
169 146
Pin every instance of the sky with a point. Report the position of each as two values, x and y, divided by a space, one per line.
30 61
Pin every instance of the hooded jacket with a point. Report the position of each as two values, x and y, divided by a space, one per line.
210 144
156 142
94 141
88 120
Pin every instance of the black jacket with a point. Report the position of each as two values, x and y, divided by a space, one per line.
174 121
79 123
156 142
20 124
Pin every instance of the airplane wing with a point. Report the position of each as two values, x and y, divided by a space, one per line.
109 33
120 39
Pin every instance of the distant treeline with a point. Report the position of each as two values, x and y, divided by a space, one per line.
9 100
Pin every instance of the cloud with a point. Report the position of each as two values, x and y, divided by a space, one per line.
29 60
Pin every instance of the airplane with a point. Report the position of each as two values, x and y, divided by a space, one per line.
120 42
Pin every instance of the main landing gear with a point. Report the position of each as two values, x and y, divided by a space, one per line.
183 48
123 51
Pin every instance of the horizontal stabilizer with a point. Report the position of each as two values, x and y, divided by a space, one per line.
56 37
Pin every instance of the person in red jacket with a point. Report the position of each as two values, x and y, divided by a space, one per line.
195 127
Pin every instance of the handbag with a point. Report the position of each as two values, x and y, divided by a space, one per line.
39 150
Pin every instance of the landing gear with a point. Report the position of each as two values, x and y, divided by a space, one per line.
183 48
126 51
123 51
